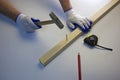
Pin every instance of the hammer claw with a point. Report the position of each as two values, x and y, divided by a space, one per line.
56 20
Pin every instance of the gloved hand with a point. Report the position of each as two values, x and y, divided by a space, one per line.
74 20
27 23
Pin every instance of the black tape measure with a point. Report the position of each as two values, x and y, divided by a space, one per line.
93 40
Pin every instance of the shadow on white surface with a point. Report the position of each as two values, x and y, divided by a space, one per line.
53 6
4 19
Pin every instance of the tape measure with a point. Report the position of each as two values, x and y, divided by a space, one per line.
92 41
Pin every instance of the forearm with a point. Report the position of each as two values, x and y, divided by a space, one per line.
8 10
65 4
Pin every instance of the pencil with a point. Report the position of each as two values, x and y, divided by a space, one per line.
79 68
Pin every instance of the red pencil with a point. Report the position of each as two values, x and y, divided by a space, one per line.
79 68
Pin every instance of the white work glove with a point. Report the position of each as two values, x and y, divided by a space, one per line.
27 23
75 20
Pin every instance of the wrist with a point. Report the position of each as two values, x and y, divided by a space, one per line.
19 18
67 9
69 12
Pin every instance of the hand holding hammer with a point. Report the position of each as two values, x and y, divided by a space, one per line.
30 24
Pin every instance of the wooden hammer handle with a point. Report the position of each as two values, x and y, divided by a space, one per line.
45 22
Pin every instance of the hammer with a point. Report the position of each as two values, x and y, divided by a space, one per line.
55 20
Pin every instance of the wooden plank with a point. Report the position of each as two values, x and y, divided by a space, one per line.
56 50
102 12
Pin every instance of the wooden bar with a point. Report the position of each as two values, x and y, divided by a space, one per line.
45 22
62 45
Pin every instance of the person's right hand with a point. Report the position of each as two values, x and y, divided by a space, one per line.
27 23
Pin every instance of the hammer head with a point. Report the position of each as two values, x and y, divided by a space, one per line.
56 20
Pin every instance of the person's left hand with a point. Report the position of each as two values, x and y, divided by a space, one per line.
76 21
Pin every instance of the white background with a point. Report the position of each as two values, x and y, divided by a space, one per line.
20 51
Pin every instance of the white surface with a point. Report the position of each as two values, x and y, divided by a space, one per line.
19 52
